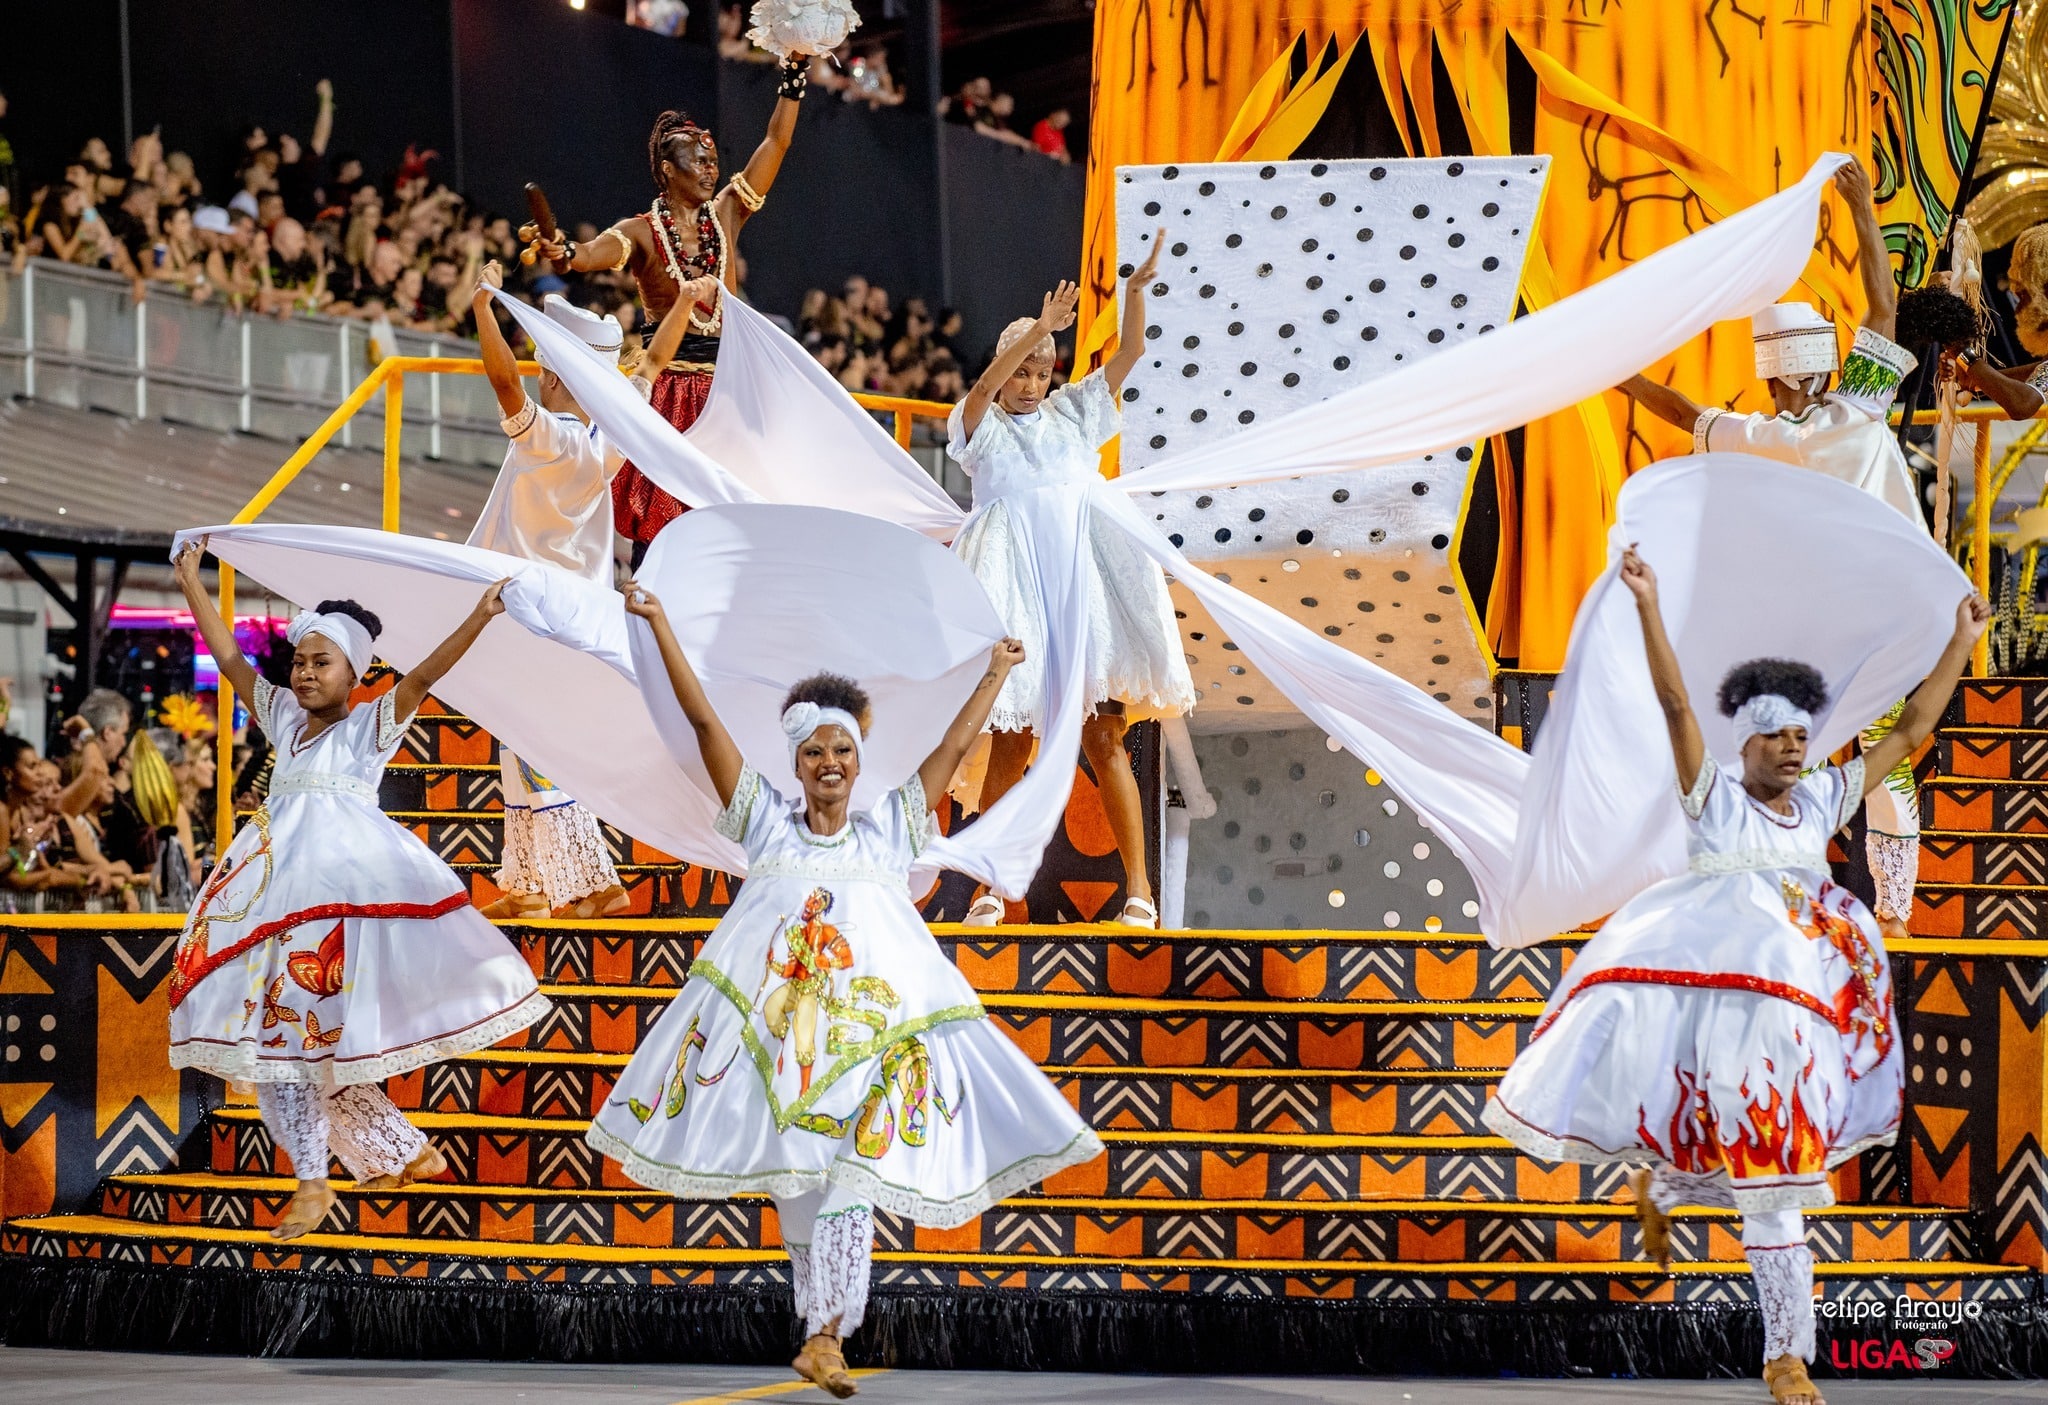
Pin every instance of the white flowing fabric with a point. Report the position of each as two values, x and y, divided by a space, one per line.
1754 559
759 595
1466 784
1534 366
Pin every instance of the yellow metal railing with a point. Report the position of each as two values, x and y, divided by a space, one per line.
389 377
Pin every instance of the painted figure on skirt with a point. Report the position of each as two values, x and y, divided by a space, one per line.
1733 1027
552 503
1843 432
685 243
823 1049
1020 441
330 949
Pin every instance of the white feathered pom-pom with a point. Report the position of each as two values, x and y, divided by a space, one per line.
785 27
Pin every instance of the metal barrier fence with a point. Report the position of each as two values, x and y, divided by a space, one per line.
78 337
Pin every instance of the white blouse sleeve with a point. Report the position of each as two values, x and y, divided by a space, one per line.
1694 801
265 699
752 810
390 727
1090 405
919 823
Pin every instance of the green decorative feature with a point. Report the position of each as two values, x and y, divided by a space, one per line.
894 1106
764 1061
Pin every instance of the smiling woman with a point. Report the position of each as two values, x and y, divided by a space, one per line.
824 1050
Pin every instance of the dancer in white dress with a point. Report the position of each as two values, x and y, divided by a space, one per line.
1018 443
1734 1026
330 949
552 503
824 1050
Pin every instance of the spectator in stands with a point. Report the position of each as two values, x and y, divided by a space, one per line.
294 277
868 79
969 106
662 16
38 876
733 43
196 778
133 223
104 182
1050 135
73 231
995 122
80 835
183 264
178 183
10 169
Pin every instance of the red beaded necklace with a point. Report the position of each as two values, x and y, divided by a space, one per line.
710 254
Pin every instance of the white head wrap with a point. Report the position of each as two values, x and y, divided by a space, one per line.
1767 714
603 333
346 632
1796 345
801 721
1017 331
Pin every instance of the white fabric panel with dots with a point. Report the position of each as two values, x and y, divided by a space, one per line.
1281 285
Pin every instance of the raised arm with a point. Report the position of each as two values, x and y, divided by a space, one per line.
937 771
721 754
1930 699
501 367
668 336
1873 260
1056 315
220 640
766 162
1671 406
323 125
2013 395
1687 748
1130 338
412 689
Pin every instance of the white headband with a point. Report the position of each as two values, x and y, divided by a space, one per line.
1767 714
345 631
801 721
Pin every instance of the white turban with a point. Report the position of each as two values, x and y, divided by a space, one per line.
1794 344
345 631
1020 329
1767 714
602 333
801 721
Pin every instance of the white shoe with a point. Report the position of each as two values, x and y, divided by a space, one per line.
986 912
1138 912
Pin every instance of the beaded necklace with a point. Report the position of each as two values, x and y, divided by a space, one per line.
708 261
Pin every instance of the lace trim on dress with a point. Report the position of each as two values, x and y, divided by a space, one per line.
842 1257
1853 772
1784 1291
1694 801
390 726
1894 872
368 1133
1757 861
859 1180
265 698
558 852
240 1062
320 783
732 820
917 814
521 420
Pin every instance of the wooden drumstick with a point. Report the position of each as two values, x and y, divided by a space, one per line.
544 221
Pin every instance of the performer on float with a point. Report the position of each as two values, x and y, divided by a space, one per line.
552 503
1846 434
691 232
1734 1025
824 1050
330 949
1017 441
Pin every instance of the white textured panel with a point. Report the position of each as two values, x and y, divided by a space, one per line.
1281 285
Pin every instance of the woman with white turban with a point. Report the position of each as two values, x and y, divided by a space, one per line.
1732 1027
330 949
824 1050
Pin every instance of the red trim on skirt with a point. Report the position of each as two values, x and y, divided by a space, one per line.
283 924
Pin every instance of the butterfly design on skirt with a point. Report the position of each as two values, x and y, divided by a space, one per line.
320 970
318 1038
275 1011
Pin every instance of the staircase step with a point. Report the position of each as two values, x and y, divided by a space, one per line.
520 1083
551 1153
1246 1230
1984 807
1078 961
1992 753
1987 912
1122 1030
387 1256
2000 702
1958 857
437 786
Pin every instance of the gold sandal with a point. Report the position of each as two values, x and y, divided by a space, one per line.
516 907
821 1363
309 1206
424 1167
1787 1379
1656 1224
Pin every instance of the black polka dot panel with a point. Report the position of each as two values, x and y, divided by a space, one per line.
1277 266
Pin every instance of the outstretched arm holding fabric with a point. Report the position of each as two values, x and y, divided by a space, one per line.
721 754
1873 260
1688 748
220 640
420 679
1930 699
501 367
1671 406
938 768
1130 338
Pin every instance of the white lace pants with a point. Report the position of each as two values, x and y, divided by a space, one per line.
358 1124
830 1235
1774 1242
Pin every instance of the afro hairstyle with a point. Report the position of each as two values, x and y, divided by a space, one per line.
1934 317
354 611
1798 683
831 690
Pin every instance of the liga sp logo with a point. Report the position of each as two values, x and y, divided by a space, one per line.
1876 1354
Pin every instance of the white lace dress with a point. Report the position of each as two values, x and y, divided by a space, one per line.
1134 653
329 945
823 1039
1735 1019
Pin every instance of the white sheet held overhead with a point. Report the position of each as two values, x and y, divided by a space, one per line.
1536 365
1754 560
